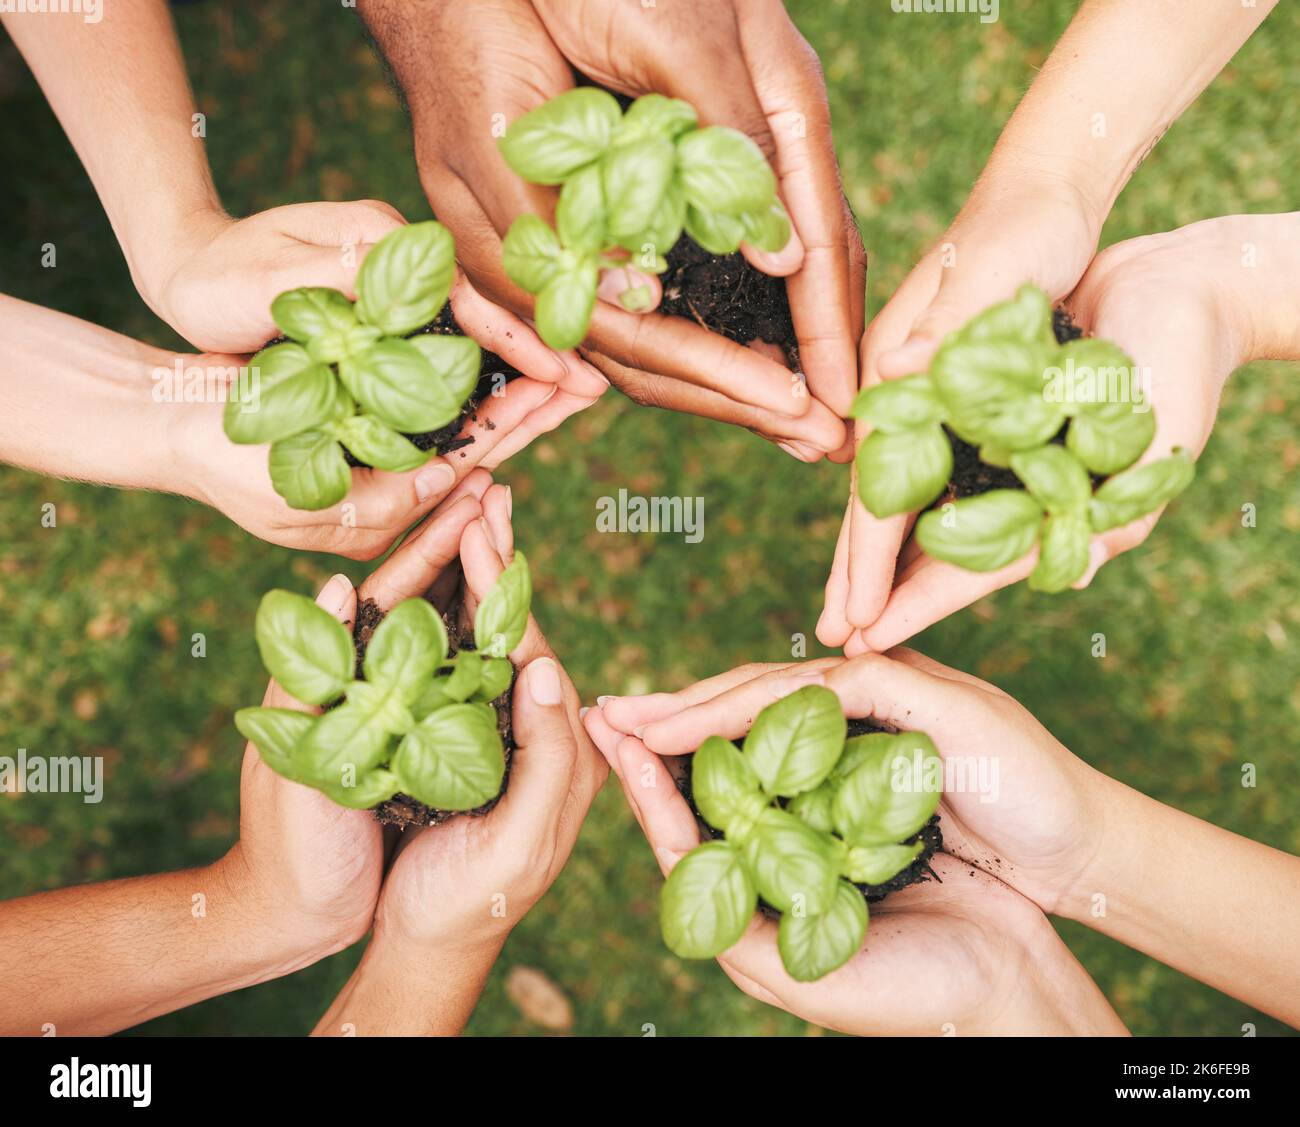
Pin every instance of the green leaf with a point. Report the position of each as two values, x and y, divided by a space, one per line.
466 676
431 698
813 946
892 793
1092 374
1111 436
347 742
549 144
795 741
286 393
407 648
397 384
1027 317
369 790
530 253
791 863
335 345
982 533
312 311
495 680
453 759
405 279
767 229
1141 490
309 471
274 732
1055 478
457 361
707 902
649 247
580 218
635 178
502 616
656 114
564 306
723 170
898 405
379 445
715 231
723 784
875 864
994 391
903 472
304 647
1063 553
814 807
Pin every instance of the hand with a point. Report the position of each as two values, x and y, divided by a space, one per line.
962 953
747 66
1035 823
458 75
1209 306
381 506
301 859
1045 233
456 889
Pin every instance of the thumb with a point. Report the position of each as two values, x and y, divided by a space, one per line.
545 751
961 295
633 291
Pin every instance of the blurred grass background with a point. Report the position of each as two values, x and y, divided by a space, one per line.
96 615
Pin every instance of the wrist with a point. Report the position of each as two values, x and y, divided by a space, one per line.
403 988
157 254
277 940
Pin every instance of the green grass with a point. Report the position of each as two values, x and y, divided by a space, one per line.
96 616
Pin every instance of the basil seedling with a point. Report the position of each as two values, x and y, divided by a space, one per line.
991 384
805 814
349 375
631 183
417 722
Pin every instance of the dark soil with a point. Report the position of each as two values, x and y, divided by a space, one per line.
727 295
402 810
970 476
930 835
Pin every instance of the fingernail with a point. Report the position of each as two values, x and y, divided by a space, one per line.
433 481
668 858
1097 556
602 701
487 531
802 451
639 731
543 680
510 502
628 289
582 712
334 594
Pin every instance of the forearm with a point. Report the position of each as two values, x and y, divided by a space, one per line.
1120 75
1212 904
98 958
85 403
401 991
120 90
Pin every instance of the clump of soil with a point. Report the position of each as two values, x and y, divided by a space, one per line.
492 371
402 810
726 295
930 835
970 476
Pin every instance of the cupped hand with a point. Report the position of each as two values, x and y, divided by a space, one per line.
463 884
959 954
1002 238
234 479
1016 802
494 68
1179 304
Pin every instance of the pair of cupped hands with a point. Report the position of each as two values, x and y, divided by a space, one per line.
973 950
